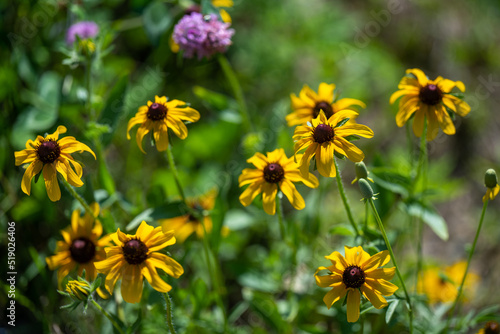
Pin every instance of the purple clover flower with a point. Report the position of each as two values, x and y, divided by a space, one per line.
84 29
201 35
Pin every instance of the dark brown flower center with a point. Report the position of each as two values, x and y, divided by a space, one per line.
492 327
430 94
135 251
326 107
157 112
323 133
274 173
48 151
353 277
82 250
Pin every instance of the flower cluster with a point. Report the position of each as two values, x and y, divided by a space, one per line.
202 36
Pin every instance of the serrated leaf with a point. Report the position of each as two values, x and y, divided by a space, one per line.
390 310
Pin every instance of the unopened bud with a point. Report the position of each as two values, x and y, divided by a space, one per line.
78 290
365 188
361 171
490 178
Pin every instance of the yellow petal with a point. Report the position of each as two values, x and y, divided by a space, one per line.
250 175
353 301
34 168
352 151
324 160
432 126
378 260
288 188
185 114
70 145
382 273
325 92
354 129
418 121
25 156
141 132
51 184
132 283
259 160
346 103
338 292
311 180
154 279
445 122
269 191
381 286
178 127
375 298
250 193
327 280
338 261
306 159
134 121
463 108
421 77
161 137
166 263
407 107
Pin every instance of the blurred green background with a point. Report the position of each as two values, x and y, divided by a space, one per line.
363 47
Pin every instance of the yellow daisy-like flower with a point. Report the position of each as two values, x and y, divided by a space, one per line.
309 103
188 224
136 257
491 327
223 13
159 117
273 171
325 136
491 183
358 271
50 155
442 285
81 246
428 99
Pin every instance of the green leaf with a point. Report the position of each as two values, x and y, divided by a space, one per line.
351 138
391 180
341 230
113 110
171 210
157 20
136 325
342 122
430 217
216 100
338 155
208 8
390 310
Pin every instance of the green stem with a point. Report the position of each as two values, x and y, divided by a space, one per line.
279 209
237 91
168 303
213 272
77 197
106 314
384 235
171 162
460 290
88 83
344 198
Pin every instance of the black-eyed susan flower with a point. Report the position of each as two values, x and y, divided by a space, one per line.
136 257
491 327
273 171
491 183
357 273
159 116
441 285
50 155
82 246
188 224
428 99
323 137
308 104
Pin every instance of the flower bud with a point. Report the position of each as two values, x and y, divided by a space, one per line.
361 171
490 178
365 188
78 290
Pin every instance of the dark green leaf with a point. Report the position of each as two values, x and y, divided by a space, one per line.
390 310
430 217
342 122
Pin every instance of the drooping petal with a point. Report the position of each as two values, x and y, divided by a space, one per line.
250 175
406 109
288 188
250 193
378 260
353 301
134 121
338 292
445 122
311 180
269 191
421 77
51 184
25 156
306 159
338 261
151 275
327 280
324 160
141 132
373 296
432 125
352 151
347 102
382 273
132 283
161 136
463 108
178 127
418 121
166 263
382 286
34 168
354 129
70 145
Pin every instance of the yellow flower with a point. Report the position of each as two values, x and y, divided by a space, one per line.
188 224
159 117
491 183
428 99
81 246
273 171
49 156
78 290
226 4
442 285
357 271
136 257
309 103
491 327
325 136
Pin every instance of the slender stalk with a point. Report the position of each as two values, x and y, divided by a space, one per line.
106 314
384 235
344 199
77 197
170 323
171 162
237 91
279 209
213 272
471 253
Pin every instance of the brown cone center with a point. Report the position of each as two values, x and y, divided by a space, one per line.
273 173
326 107
135 251
82 250
430 94
353 277
48 151
157 112
323 133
